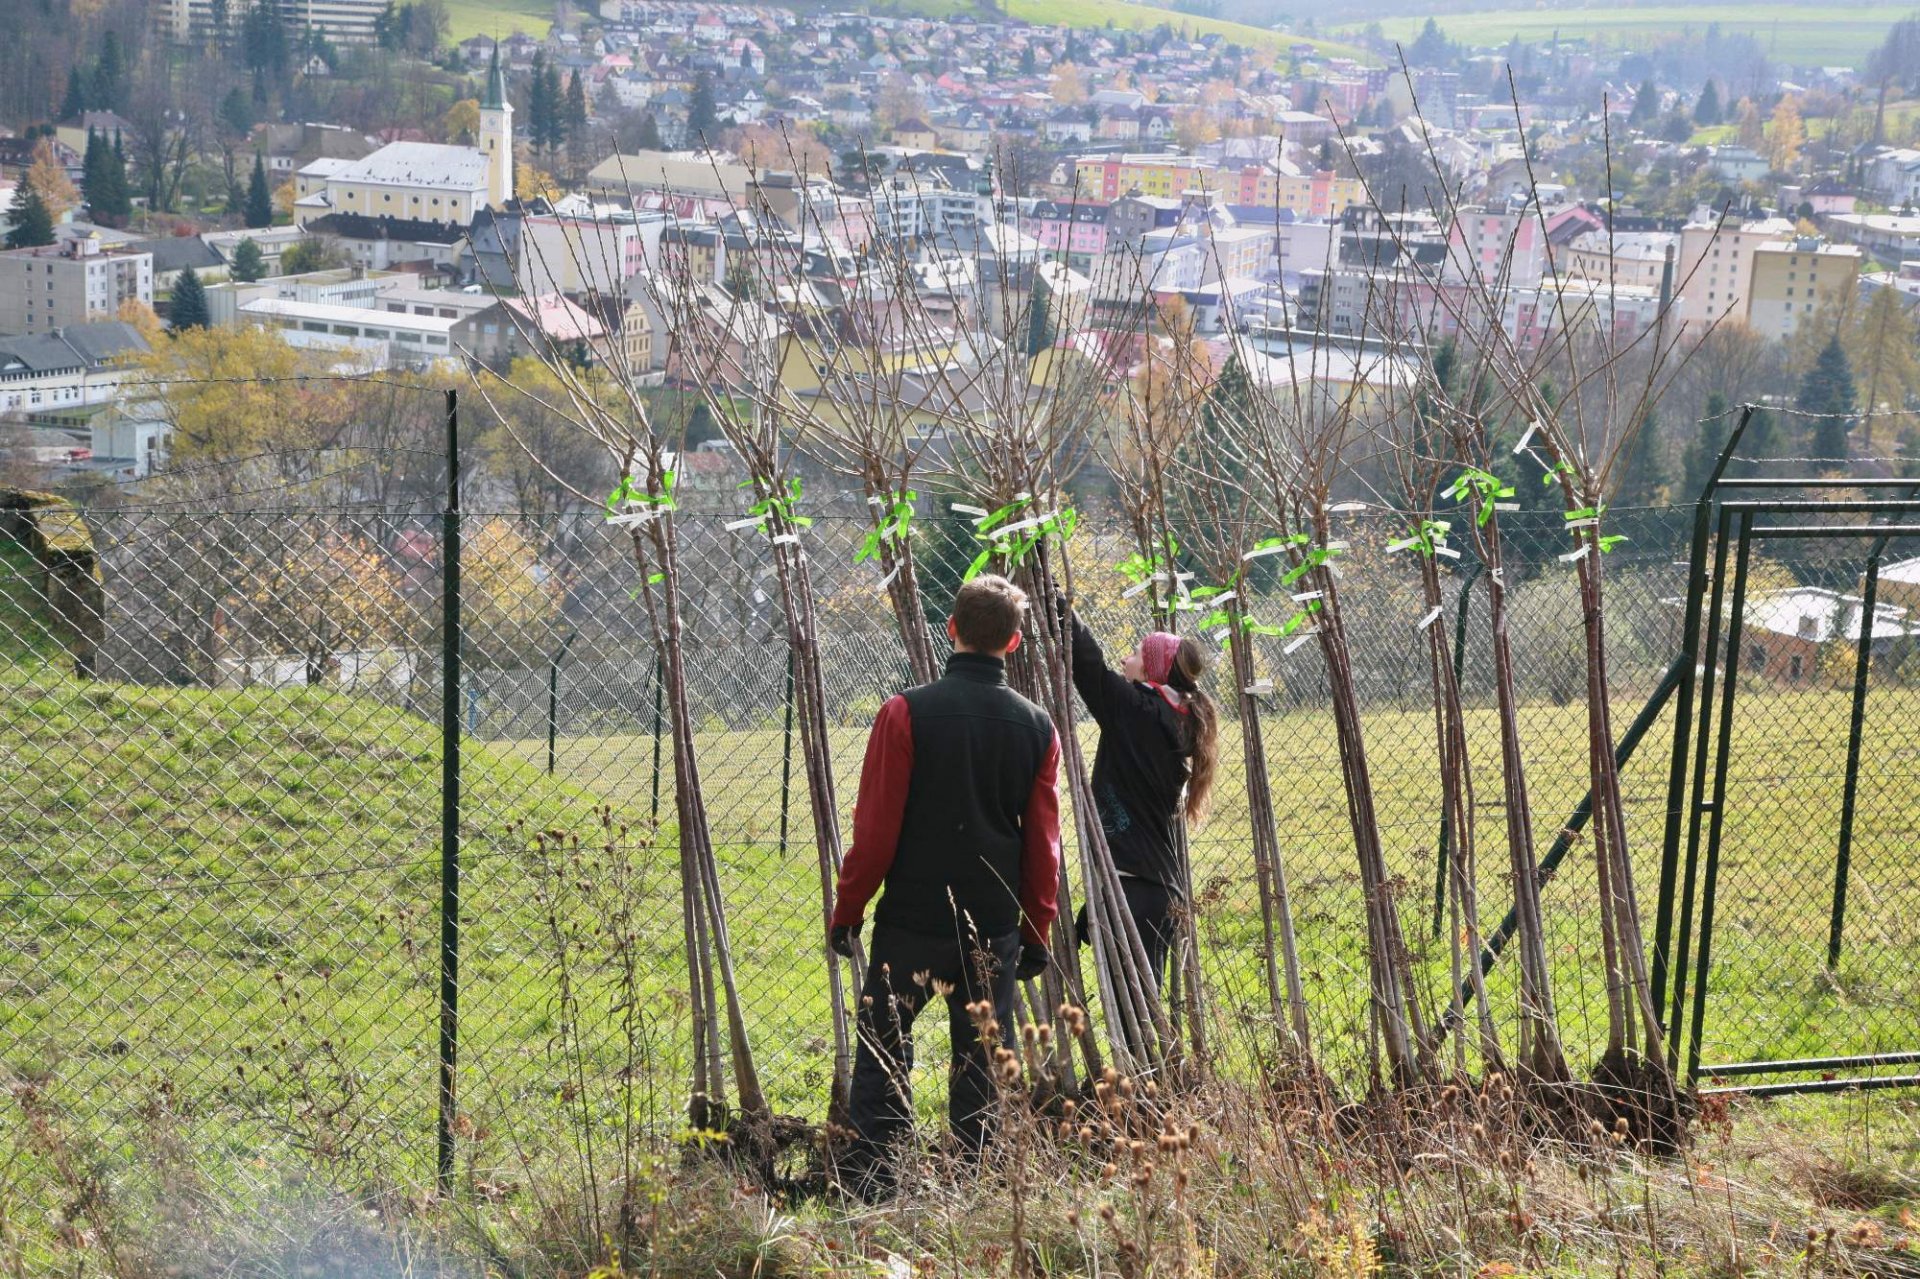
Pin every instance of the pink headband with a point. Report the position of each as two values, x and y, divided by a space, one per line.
1157 653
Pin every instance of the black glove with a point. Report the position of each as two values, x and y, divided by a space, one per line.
1063 609
1033 961
840 939
1080 929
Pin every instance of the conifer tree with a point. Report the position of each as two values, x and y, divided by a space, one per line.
93 167
32 224
259 195
108 74
1707 110
188 309
74 103
702 115
248 264
1827 390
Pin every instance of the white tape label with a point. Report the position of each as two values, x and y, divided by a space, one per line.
1430 618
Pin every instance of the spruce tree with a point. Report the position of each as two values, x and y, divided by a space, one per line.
1761 442
576 105
650 139
1708 439
702 115
259 195
117 198
188 309
1646 103
32 224
248 264
74 104
93 166
1707 110
556 108
236 112
108 73
539 105
1646 478
1827 390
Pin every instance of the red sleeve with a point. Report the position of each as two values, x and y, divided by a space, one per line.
1040 862
877 812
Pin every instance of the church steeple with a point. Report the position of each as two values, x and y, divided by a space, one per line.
496 83
496 134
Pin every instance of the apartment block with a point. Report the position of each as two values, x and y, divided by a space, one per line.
74 282
1793 278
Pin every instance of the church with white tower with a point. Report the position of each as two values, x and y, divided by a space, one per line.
419 181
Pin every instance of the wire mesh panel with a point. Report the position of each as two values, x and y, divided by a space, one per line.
1805 935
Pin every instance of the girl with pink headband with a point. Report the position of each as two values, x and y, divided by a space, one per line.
1159 745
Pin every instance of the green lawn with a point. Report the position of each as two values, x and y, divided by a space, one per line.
236 892
1800 34
501 17
496 18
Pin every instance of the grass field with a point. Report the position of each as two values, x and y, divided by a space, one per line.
496 18
501 17
236 892
1088 14
1797 34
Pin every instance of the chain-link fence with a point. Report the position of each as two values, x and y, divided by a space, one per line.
1799 885
221 809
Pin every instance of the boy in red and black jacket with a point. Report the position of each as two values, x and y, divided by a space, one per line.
958 826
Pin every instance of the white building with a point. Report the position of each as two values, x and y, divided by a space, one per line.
129 440
345 286
418 181
77 367
410 341
75 281
1714 272
341 21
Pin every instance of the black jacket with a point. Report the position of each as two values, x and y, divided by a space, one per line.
1140 770
958 810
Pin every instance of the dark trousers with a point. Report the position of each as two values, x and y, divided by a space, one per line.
1151 906
902 969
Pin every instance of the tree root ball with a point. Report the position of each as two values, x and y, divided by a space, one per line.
1634 1098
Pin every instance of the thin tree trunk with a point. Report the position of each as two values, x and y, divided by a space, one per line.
1269 870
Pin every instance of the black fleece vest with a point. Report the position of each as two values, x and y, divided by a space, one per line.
977 748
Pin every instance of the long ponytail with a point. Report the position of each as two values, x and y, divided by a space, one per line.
1189 664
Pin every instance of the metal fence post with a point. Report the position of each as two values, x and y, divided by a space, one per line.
786 762
1677 818
1856 722
553 696
449 794
659 688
